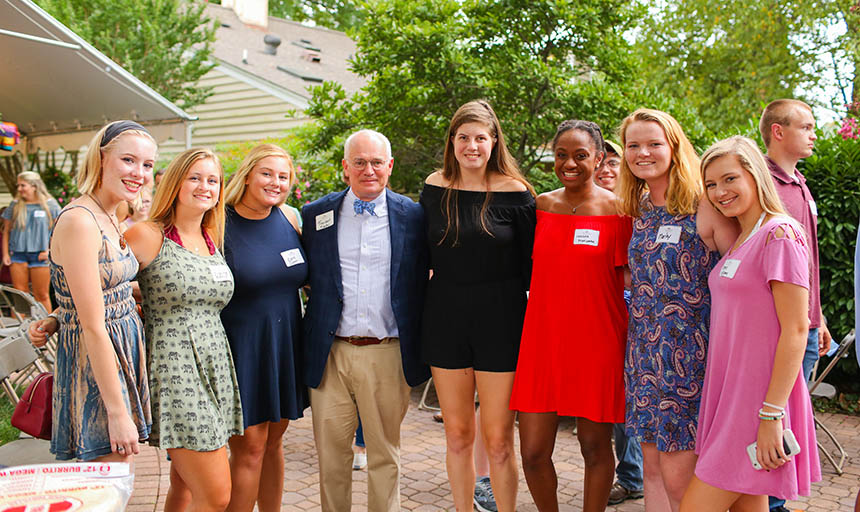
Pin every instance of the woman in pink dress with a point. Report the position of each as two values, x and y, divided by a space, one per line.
753 390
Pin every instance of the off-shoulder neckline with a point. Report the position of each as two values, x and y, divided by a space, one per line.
479 191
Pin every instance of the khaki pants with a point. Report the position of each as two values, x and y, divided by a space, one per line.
371 378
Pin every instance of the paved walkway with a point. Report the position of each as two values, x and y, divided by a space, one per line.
425 487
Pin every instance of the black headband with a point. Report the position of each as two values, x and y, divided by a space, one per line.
114 129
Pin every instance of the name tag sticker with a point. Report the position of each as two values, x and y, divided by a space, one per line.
292 257
325 220
812 208
221 273
41 213
668 234
586 237
729 268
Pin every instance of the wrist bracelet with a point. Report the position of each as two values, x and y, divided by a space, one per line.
768 418
771 415
778 408
55 317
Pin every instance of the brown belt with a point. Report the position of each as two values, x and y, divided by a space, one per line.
361 341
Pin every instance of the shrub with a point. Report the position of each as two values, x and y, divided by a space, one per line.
60 185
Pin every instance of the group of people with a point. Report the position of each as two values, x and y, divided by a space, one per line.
481 285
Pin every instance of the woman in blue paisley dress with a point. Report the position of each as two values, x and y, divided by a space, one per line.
101 393
185 283
676 236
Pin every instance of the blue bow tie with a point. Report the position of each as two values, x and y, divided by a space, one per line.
361 206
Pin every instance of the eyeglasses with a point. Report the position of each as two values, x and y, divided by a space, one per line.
360 164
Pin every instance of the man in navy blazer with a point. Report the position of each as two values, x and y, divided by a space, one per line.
368 268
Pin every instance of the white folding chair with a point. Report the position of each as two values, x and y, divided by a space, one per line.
422 405
818 388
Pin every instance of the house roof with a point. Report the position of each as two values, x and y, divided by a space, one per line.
59 89
290 68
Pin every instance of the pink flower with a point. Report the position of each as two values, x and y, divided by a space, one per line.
307 184
849 129
298 193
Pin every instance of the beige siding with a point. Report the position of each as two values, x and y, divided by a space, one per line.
236 111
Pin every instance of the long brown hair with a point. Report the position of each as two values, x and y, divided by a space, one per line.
501 162
163 209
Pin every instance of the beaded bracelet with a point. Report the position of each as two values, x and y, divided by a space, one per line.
771 415
778 408
769 418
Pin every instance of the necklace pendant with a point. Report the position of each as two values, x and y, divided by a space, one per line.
122 243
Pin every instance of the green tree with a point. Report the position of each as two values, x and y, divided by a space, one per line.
538 62
336 14
164 43
727 58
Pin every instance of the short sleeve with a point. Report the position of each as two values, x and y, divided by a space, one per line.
55 209
525 221
622 240
7 213
786 259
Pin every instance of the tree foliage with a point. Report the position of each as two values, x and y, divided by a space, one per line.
538 62
727 58
336 14
164 43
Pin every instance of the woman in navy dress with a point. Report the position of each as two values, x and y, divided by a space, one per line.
263 249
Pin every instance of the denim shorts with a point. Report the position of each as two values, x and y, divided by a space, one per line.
30 258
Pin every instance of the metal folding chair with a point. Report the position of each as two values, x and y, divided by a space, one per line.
22 304
422 405
24 309
821 389
19 363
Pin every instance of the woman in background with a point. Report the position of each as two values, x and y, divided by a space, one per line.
27 226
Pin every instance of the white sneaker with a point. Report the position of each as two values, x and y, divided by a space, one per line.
359 461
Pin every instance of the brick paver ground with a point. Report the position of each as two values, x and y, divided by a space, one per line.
424 485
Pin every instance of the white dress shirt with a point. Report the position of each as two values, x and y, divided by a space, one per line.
364 245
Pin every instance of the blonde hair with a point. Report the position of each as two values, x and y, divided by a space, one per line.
89 178
236 188
500 162
779 112
163 209
752 161
19 212
685 182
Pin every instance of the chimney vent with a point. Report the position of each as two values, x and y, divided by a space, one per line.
272 43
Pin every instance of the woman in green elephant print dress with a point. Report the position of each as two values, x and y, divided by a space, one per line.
185 283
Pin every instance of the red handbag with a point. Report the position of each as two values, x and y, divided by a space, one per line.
33 413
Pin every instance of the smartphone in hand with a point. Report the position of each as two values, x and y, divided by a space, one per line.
789 444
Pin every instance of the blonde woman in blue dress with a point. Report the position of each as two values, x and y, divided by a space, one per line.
101 392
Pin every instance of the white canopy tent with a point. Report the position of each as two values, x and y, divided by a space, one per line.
60 90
